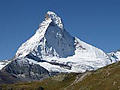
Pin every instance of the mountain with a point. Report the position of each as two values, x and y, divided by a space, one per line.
53 50
106 78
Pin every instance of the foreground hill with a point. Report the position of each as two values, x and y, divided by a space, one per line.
106 78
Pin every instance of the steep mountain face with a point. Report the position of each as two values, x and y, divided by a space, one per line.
53 50
51 39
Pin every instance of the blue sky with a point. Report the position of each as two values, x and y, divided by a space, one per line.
96 22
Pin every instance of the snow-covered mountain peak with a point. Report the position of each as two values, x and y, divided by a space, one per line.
53 48
51 39
55 18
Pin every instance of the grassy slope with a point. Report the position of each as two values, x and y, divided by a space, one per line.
54 83
107 78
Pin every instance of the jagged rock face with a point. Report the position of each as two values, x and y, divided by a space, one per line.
59 42
24 70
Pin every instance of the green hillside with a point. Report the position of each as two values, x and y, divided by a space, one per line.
107 78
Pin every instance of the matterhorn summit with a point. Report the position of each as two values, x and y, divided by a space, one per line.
53 50
50 40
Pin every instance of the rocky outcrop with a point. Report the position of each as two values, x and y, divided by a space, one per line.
25 70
